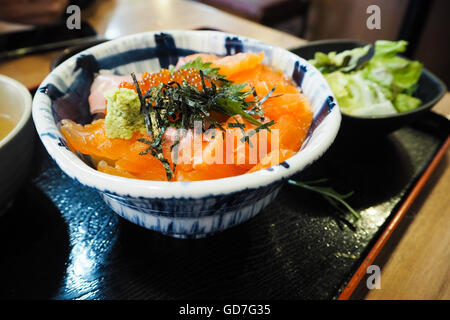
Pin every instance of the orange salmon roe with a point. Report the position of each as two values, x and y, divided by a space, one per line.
149 80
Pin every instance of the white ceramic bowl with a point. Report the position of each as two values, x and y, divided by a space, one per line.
16 148
180 209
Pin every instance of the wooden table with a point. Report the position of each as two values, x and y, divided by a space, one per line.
414 262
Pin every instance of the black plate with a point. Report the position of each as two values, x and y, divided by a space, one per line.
430 91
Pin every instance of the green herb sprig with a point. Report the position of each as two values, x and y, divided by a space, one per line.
336 199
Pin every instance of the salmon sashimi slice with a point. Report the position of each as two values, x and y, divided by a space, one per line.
249 76
230 65
263 80
91 139
291 132
273 158
104 167
148 170
246 153
294 104
230 147
207 172
261 89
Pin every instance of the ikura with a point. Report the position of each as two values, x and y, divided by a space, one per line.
150 80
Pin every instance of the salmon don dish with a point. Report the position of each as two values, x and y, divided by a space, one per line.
207 117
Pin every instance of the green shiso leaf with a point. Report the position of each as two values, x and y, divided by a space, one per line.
203 66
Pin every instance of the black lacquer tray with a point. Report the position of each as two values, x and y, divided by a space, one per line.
60 241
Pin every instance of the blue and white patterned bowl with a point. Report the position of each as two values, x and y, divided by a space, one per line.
180 209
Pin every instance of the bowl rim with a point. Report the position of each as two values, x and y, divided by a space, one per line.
122 186
428 73
25 95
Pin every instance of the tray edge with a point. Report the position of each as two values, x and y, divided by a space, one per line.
396 219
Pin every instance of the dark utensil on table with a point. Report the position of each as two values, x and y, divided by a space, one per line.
70 51
43 39
430 90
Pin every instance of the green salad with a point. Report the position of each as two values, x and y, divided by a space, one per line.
383 85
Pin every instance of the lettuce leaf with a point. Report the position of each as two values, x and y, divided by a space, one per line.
402 73
386 48
359 96
404 102
344 61
384 85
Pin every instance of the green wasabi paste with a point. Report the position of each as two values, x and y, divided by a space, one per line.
123 116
